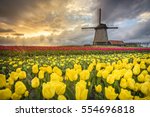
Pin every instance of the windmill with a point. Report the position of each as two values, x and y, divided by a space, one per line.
101 36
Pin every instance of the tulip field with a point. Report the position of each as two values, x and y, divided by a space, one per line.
74 73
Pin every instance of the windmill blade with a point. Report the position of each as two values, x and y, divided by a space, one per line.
112 27
88 28
99 16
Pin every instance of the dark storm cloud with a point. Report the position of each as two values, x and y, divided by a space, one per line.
114 11
13 10
142 31
6 30
123 9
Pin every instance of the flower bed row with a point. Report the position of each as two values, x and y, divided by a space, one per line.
118 76
33 48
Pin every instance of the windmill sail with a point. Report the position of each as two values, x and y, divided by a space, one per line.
88 28
112 27
99 16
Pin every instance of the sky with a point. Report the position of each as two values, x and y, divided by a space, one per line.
59 22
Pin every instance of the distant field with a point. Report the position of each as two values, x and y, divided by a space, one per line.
74 72
103 48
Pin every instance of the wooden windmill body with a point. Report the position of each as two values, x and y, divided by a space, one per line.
101 36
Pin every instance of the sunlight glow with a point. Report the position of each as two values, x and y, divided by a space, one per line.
144 17
42 33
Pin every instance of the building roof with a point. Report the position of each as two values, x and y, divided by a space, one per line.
116 42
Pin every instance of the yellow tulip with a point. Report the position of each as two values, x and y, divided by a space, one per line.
94 61
41 74
99 73
89 83
26 94
57 71
81 94
109 69
103 65
43 69
20 88
18 70
131 83
137 86
116 66
98 88
110 93
145 88
110 79
144 72
125 95
82 84
8 85
142 65
55 77
117 74
123 83
137 98
35 69
35 82
84 75
148 61
80 90
98 66
22 75
141 78
147 78
134 61
15 65
2 80
125 60
105 74
11 81
45 65
77 67
148 68
91 67
128 74
122 72
5 94
136 69
16 96
60 87
119 62
78 71
62 97
49 69
48 90
20 62
14 75
72 74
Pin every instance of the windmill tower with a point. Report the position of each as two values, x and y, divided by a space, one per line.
101 36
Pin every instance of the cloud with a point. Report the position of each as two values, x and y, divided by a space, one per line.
59 22
18 34
132 18
12 10
123 9
6 30
142 31
58 17
7 41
